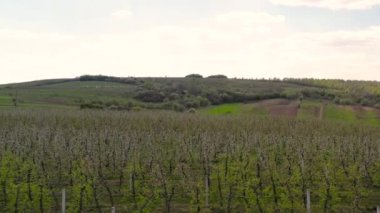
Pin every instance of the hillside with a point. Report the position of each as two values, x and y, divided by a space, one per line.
305 98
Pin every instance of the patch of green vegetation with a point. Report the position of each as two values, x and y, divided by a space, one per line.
225 109
5 100
333 112
309 110
70 93
236 109
369 117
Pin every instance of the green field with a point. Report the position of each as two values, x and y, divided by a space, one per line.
308 110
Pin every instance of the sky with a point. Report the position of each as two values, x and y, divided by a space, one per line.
44 39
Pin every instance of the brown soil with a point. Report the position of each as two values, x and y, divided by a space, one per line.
315 111
280 107
321 111
290 110
273 102
359 111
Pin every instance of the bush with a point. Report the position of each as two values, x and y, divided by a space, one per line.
343 101
214 98
203 102
150 96
218 76
137 109
192 111
174 96
191 103
178 107
194 76
93 105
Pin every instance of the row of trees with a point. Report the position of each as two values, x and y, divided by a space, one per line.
169 162
211 76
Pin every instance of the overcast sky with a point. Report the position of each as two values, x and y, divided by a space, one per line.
42 39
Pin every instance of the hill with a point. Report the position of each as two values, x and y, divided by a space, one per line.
305 96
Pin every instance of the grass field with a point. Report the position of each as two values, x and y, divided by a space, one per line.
5 101
66 94
346 114
307 110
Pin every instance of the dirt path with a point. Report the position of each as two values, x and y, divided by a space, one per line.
322 111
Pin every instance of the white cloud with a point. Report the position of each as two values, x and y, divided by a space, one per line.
122 15
331 4
227 43
249 19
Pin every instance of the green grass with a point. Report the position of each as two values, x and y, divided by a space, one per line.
370 117
236 109
225 109
333 112
349 115
5 101
309 110
68 93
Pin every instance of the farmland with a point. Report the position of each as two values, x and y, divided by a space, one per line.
307 110
189 145
174 162
181 94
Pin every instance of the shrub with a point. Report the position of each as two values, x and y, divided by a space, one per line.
137 108
92 105
178 107
150 96
214 98
191 103
203 102
194 76
174 96
343 101
192 111
218 76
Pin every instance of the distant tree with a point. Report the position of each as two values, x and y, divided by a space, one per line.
15 99
194 76
93 78
218 76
